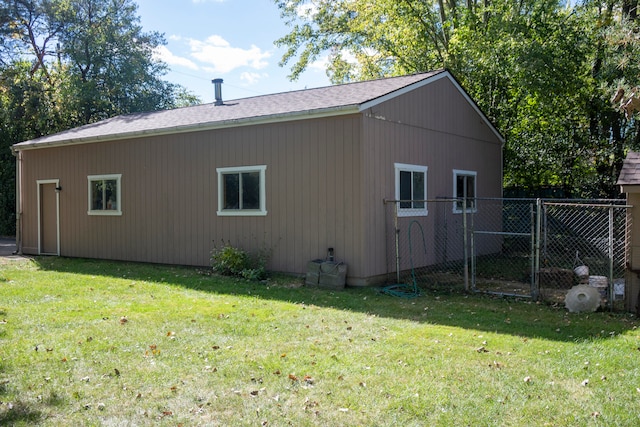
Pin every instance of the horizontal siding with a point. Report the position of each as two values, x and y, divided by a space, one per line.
169 194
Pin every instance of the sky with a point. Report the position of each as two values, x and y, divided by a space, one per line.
228 39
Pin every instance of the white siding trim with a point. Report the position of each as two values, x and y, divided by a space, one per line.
106 177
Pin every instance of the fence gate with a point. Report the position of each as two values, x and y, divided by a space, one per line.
519 247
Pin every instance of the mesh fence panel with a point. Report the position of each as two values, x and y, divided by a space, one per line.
491 246
428 249
502 246
583 243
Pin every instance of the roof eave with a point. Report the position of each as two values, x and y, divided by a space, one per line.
246 121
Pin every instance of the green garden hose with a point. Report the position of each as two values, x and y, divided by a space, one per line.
404 290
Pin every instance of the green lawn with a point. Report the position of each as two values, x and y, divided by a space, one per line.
100 343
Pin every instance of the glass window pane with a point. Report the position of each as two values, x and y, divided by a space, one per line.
471 186
96 195
251 190
405 189
460 186
111 194
231 191
418 189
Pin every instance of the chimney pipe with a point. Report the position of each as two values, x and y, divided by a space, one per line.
218 88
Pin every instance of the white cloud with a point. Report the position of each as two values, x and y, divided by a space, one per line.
165 55
224 58
320 64
252 78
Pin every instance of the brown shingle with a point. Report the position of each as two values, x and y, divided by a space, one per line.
233 112
630 173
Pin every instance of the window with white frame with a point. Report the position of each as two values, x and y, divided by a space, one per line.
464 187
411 189
241 191
105 194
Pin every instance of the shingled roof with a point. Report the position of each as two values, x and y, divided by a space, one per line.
630 173
325 101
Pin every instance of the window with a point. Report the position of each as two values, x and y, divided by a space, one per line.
411 189
464 185
241 191
104 195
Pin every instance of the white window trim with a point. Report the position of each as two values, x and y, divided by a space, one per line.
118 179
242 212
404 212
474 174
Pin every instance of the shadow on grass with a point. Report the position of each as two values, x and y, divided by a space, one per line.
18 413
450 307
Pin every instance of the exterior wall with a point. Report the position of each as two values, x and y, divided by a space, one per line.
436 127
326 180
632 275
169 195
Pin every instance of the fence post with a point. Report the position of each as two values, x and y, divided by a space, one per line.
610 288
396 231
535 291
465 242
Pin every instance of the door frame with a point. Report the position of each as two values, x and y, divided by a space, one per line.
41 182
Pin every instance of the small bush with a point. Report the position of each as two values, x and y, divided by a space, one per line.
231 261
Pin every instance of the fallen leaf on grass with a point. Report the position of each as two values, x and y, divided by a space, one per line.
293 377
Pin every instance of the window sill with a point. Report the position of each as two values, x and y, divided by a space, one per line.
104 213
409 213
241 213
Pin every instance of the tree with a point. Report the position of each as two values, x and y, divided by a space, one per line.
538 68
65 63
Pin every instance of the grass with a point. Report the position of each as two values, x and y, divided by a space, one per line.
100 343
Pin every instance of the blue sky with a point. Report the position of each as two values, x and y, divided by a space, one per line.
228 39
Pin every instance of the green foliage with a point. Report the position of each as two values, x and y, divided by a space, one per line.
232 261
65 63
542 70
229 260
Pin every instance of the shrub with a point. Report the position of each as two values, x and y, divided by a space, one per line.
231 261
228 260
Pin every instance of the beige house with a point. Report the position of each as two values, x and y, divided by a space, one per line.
294 173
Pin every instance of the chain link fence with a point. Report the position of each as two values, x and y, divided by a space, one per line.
583 242
519 247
